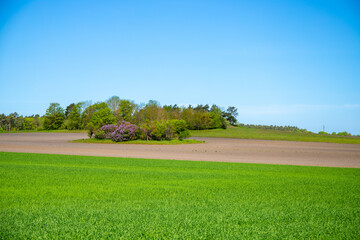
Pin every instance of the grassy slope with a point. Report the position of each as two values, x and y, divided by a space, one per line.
252 133
109 141
59 196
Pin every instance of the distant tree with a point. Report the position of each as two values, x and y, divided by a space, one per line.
74 117
2 121
29 123
230 115
18 123
202 108
54 117
102 117
89 111
68 109
10 120
125 111
95 116
218 121
113 103
153 111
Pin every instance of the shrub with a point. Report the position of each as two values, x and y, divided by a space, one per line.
100 134
323 133
184 134
344 134
146 130
179 128
159 132
124 132
91 129
108 130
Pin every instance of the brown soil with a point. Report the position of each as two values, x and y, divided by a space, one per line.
215 149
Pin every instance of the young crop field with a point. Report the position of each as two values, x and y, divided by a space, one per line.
70 197
267 134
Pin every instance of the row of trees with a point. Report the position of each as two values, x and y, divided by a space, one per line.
275 127
85 115
14 121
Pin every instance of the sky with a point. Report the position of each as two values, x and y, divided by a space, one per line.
279 62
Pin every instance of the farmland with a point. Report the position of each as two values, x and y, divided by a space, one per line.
63 196
267 134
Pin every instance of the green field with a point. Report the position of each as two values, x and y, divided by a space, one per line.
67 197
266 134
138 141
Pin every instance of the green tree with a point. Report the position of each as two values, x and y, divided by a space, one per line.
217 120
230 115
74 117
10 120
54 117
113 103
89 111
29 123
125 111
68 109
102 117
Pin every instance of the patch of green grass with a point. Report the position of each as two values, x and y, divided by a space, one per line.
70 197
266 134
109 141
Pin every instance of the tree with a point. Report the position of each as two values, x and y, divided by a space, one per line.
18 123
74 117
54 117
10 119
89 111
29 123
125 110
152 111
102 117
218 121
68 109
230 115
113 103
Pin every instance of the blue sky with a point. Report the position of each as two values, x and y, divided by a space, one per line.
280 62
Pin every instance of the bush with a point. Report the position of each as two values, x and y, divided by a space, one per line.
323 133
124 132
184 134
179 128
146 130
100 134
344 134
91 129
159 132
107 130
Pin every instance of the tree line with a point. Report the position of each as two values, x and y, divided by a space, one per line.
92 116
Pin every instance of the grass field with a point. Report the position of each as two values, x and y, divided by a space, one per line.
266 134
69 197
138 141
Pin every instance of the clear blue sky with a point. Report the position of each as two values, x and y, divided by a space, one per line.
280 62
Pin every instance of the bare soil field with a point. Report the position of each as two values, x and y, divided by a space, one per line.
215 149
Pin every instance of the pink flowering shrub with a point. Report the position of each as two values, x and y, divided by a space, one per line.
108 130
125 131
